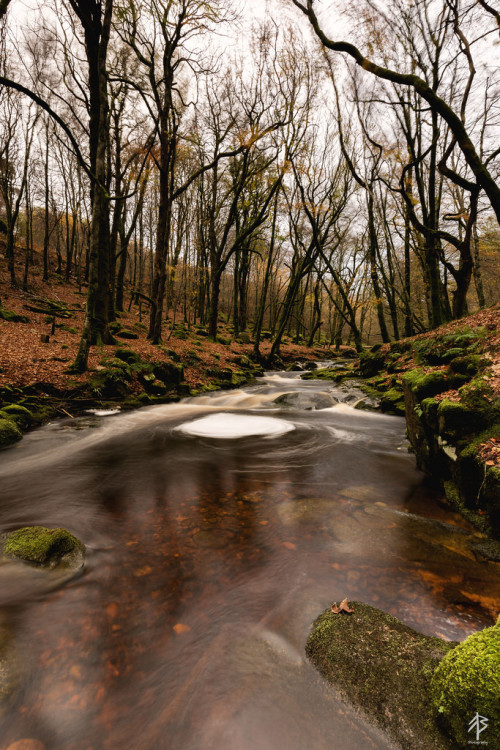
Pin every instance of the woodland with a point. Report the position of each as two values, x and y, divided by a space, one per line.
212 166
297 201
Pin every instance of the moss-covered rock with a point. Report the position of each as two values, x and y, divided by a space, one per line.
393 402
169 373
127 355
466 682
9 433
19 414
383 666
41 546
126 333
12 317
370 363
468 365
426 384
457 419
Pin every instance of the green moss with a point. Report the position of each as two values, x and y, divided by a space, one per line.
466 682
12 317
20 414
468 365
125 333
426 384
9 433
168 372
41 546
370 363
127 355
383 666
457 502
393 402
455 418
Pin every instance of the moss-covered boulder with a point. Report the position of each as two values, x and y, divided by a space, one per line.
128 356
169 373
19 414
393 402
372 362
466 683
38 545
425 384
383 666
126 333
9 433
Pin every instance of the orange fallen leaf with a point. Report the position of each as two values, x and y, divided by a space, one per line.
181 628
289 545
342 607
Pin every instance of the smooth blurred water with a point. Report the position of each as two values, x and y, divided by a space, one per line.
208 559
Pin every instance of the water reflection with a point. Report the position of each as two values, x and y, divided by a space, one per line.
208 560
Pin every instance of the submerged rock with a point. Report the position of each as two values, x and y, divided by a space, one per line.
382 666
306 401
49 548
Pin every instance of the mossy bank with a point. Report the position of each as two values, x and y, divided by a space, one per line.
446 386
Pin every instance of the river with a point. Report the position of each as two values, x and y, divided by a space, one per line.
208 557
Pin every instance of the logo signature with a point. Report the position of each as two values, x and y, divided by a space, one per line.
479 724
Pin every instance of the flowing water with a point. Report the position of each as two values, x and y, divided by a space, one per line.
208 557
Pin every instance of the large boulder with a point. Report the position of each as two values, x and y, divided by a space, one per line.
466 683
382 666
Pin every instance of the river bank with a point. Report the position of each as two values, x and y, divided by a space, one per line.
447 385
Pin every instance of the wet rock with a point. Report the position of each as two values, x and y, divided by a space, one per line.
305 401
45 547
383 666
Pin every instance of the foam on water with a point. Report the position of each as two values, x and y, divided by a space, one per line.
235 426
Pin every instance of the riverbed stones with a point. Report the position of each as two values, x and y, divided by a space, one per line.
383 666
40 546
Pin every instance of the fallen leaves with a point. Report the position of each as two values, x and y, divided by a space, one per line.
180 628
342 607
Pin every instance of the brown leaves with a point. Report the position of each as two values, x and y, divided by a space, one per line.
342 607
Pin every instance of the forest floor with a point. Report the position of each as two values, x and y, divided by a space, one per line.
25 360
